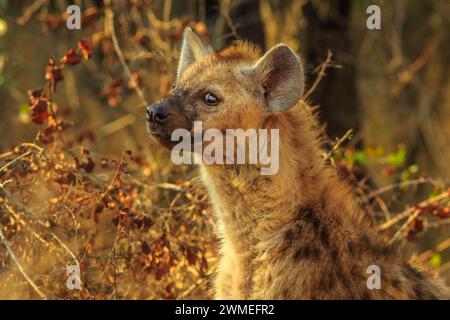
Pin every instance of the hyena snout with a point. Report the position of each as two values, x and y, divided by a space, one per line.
158 113
164 117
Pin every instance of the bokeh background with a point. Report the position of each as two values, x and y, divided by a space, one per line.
82 183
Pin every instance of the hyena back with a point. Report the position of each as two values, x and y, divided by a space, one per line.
297 234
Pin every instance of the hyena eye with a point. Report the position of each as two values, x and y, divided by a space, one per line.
210 99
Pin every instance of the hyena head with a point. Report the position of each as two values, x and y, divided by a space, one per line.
232 89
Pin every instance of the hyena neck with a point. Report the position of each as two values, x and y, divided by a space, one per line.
304 226
253 208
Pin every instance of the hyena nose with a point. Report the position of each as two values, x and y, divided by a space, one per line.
157 113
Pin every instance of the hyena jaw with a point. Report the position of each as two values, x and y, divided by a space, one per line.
297 234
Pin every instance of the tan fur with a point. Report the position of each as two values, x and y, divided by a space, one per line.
298 234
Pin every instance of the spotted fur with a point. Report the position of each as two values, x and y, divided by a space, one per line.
298 234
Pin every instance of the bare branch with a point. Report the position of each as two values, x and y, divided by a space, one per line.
19 265
110 25
328 63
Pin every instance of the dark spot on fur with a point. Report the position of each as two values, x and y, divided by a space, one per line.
327 281
355 272
334 255
390 250
418 292
315 253
396 283
343 278
411 273
421 292
301 253
289 235
307 214
363 245
324 237
351 248
286 293
387 250
364 239
305 253
428 295
365 295
323 200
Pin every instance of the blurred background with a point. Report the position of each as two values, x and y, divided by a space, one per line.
82 183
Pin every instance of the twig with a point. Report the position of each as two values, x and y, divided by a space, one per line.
33 145
110 24
440 223
407 75
189 290
114 272
321 73
407 212
14 160
399 185
169 186
28 12
382 205
19 266
197 284
346 136
404 226
117 124
231 25
25 223
429 253
167 10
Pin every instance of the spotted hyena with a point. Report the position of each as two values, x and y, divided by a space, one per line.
296 234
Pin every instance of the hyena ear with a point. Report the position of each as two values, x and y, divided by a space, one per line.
281 74
192 49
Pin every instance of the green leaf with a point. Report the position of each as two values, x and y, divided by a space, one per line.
24 107
413 168
397 158
435 193
405 176
435 260
360 157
